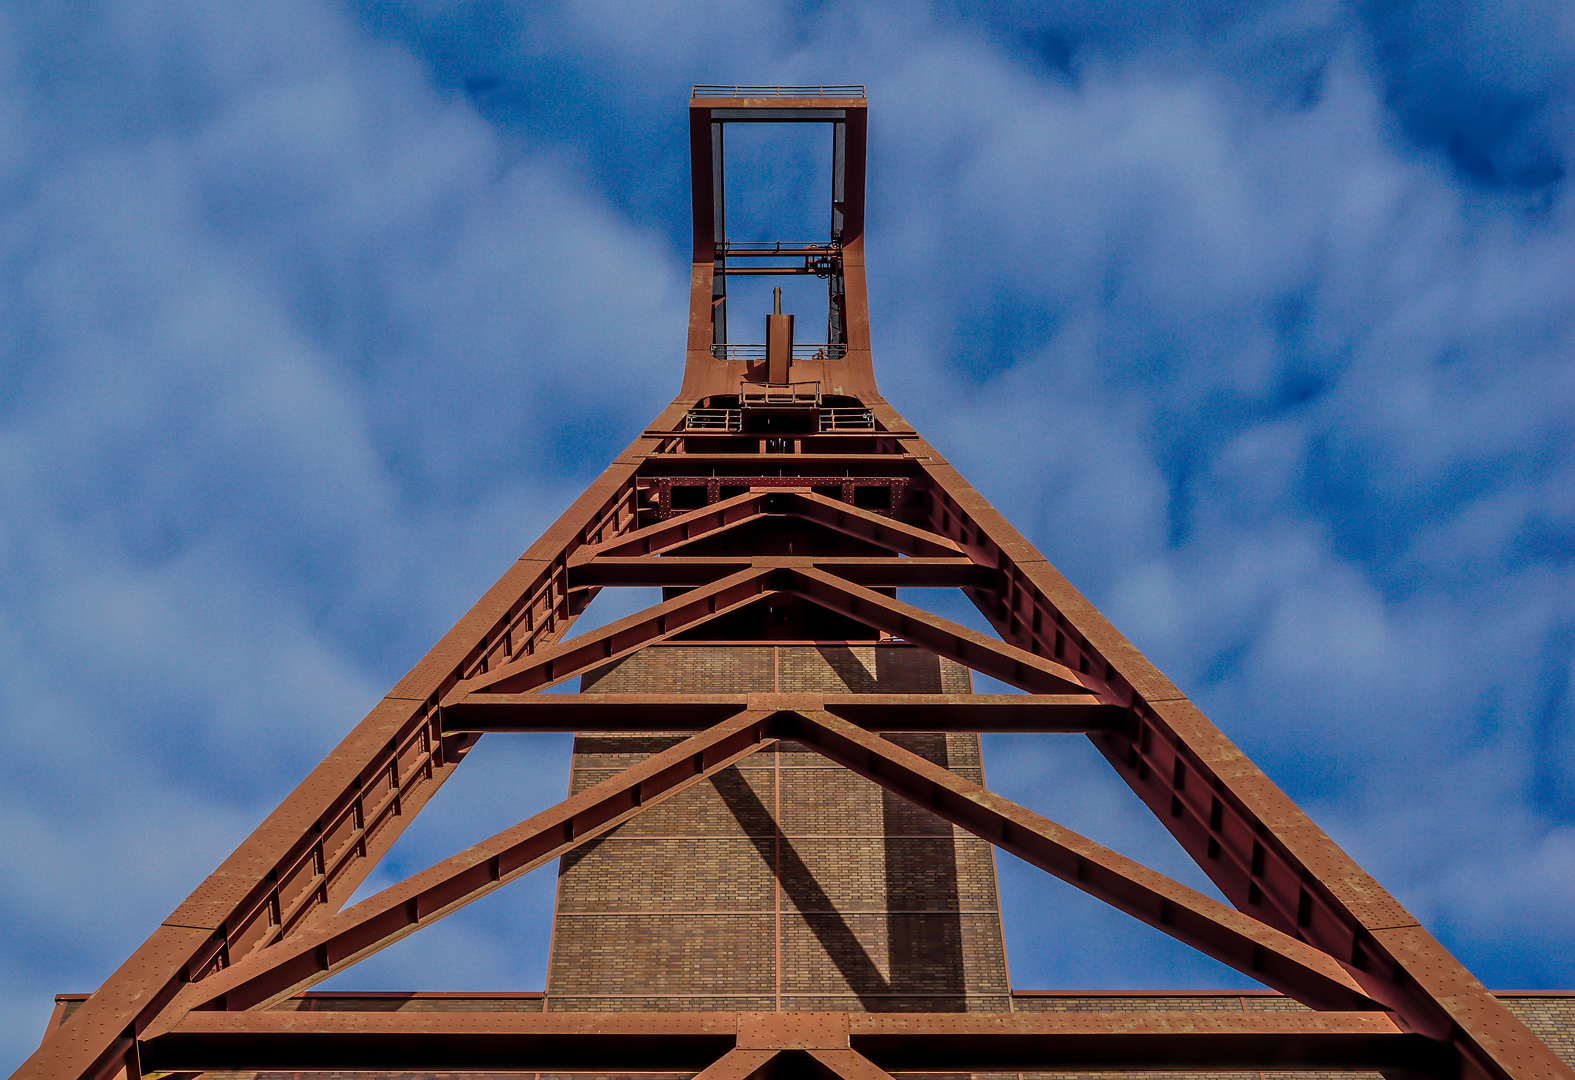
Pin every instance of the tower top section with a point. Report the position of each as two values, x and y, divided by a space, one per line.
708 90
723 357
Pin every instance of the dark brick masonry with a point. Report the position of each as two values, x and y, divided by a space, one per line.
788 883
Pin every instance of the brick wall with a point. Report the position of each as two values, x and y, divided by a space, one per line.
786 883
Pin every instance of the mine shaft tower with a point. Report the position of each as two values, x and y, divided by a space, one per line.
775 855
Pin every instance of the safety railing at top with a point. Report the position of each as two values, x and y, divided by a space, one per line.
713 420
847 420
793 393
800 352
710 91
731 420
766 249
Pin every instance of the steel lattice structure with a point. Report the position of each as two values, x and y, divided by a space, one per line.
774 441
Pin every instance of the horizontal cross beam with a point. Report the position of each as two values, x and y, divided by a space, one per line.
1036 713
1062 1042
748 466
645 571
775 501
606 1042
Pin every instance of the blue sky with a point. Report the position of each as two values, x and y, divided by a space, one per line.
1255 317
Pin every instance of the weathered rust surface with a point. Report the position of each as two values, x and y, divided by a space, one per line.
339 941
667 712
782 826
855 1044
1259 951
1551 1014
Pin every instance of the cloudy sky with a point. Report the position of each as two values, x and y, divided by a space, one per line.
1255 317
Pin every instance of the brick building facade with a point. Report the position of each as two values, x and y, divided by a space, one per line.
787 883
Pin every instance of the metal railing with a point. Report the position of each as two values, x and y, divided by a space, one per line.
847 420
770 249
713 420
771 258
707 90
800 352
755 394
730 420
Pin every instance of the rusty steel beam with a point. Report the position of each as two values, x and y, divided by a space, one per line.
737 1045
770 271
876 528
1311 921
1008 663
846 1065
1261 952
789 470
673 531
739 1064
1254 843
845 441
1023 713
411 1042
483 712
661 475
918 572
657 623
1169 1041
816 465
229 912
871 572
351 935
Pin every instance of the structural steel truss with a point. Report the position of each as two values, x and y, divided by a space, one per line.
703 513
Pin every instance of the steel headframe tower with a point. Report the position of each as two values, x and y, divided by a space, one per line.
765 446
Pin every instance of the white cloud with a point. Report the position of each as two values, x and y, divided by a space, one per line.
286 323
299 350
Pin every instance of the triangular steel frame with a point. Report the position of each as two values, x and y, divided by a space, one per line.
271 921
